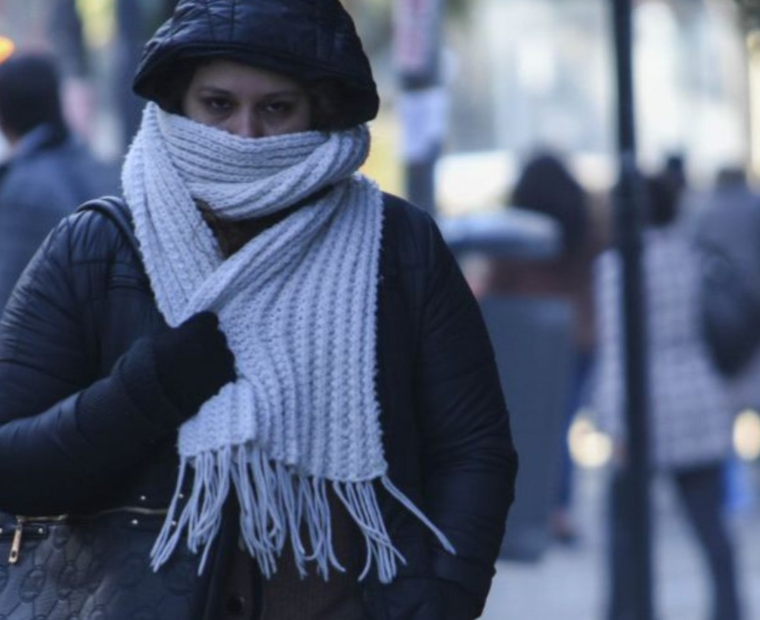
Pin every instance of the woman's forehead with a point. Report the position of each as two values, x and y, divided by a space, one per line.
230 74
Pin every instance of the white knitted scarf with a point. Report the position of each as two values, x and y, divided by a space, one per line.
298 305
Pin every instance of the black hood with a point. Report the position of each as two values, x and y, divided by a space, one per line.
309 40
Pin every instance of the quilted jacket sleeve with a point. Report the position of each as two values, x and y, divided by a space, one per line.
470 463
23 226
66 435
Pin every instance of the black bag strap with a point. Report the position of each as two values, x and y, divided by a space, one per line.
116 210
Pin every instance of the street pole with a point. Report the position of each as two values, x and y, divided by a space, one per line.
133 26
422 101
628 208
129 41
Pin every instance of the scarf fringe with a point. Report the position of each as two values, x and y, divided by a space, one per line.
275 504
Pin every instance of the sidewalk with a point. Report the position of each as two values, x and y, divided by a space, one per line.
568 583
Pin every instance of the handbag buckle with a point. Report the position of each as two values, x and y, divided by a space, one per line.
26 527
16 542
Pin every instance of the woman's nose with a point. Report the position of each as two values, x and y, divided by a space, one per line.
246 125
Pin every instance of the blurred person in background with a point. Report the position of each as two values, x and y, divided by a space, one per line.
690 421
49 171
546 185
729 222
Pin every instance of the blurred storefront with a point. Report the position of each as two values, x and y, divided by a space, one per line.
750 18
517 73
525 73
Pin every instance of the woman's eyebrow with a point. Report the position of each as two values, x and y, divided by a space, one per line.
214 90
220 90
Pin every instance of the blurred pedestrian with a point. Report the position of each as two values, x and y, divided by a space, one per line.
48 172
546 185
728 227
298 347
690 421
728 224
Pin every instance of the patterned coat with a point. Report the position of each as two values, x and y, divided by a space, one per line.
690 419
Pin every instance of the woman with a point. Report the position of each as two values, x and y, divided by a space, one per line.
546 185
291 346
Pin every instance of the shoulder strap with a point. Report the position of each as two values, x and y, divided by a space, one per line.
116 210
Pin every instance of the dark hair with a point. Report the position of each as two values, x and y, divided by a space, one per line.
545 185
30 93
663 195
324 96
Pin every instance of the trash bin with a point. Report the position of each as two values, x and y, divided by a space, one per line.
533 346
532 340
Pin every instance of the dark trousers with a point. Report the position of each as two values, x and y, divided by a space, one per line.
701 493
576 397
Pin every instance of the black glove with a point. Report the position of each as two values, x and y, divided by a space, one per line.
193 362
160 382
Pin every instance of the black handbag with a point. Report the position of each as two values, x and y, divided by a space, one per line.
94 567
97 567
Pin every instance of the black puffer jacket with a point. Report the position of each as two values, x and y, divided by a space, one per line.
72 439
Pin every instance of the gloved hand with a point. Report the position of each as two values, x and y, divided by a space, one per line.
160 382
193 362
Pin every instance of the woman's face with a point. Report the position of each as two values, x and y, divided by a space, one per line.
246 101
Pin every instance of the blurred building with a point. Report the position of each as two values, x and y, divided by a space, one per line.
516 73
528 72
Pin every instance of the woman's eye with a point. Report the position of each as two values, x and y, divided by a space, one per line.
278 107
217 104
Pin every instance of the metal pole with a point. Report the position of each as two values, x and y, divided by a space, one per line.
130 38
418 35
628 206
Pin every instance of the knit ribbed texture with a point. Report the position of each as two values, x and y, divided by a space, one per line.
298 305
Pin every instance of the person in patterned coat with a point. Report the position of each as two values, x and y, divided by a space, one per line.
690 421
